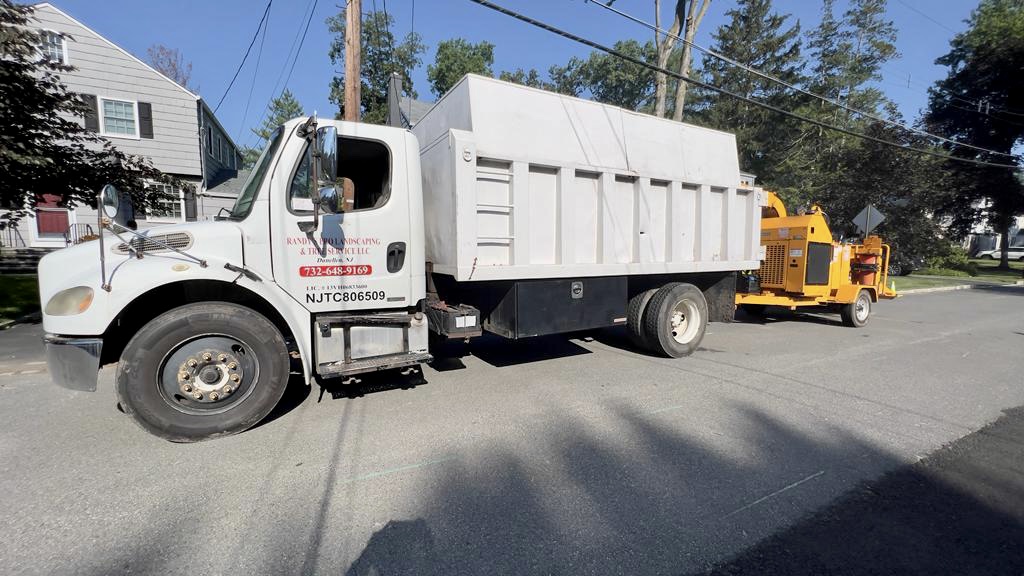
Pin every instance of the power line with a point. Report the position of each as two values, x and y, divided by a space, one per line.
926 16
299 49
255 73
311 8
266 11
701 84
791 86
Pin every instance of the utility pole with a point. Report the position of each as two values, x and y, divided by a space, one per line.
353 54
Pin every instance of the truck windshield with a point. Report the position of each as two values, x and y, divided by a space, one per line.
243 205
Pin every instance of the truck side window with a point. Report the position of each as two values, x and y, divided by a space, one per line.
364 176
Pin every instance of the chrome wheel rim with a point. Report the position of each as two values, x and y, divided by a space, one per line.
208 374
862 308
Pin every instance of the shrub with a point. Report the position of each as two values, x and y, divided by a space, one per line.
955 260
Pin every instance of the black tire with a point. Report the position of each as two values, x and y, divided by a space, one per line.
661 335
635 317
987 257
753 310
895 269
856 313
150 384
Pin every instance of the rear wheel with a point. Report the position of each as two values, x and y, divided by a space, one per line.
895 269
675 320
203 370
987 257
635 317
856 313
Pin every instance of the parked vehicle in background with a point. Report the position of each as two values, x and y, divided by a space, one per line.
1015 253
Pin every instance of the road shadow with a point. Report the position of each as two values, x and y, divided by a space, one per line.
1006 290
959 511
646 503
774 314
501 352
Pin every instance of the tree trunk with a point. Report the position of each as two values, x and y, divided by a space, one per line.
693 19
664 46
1004 250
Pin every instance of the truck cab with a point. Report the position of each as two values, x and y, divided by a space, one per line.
205 318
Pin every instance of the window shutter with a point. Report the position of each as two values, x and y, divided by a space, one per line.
145 120
190 206
92 115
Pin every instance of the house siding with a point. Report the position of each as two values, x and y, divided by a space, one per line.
105 71
214 163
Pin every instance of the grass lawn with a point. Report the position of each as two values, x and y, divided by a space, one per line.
913 282
19 295
987 271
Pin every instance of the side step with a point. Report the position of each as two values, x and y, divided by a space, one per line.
338 369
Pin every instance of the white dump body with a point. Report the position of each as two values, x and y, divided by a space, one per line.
522 183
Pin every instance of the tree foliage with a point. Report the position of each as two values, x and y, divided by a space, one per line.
381 57
764 40
454 59
975 104
44 146
279 110
170 63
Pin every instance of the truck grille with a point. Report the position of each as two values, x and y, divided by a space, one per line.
152 244
773 269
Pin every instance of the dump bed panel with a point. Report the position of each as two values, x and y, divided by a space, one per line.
522 183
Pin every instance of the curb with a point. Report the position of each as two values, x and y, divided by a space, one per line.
31 317
1017 284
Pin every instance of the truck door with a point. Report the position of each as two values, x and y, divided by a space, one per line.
359 259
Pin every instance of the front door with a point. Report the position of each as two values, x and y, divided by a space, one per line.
51 220
357 260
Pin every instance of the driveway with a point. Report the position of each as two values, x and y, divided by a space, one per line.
547 456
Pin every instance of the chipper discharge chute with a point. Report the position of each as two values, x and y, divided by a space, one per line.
804 267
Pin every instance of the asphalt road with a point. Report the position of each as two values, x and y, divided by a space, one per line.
550 456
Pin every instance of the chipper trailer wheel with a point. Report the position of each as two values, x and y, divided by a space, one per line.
203 370
856 313
675 319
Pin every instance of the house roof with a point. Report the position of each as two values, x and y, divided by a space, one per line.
115 46
227 183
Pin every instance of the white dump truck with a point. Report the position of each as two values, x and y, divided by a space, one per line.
505 209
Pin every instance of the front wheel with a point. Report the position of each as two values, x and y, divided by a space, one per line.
987 257
675 320
856 313
895 269
203 370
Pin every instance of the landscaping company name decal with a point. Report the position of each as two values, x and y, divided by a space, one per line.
335 269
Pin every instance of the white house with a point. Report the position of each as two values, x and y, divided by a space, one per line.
141 112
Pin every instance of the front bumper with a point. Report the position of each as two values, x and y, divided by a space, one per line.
74 363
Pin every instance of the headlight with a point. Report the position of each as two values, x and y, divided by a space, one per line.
70 302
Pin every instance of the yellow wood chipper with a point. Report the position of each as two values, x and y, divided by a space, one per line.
803 266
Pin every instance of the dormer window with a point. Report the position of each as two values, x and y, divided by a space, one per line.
53 47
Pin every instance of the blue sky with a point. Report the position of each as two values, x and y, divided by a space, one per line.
213 35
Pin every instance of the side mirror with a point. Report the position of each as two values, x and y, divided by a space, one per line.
327 149
109 201
329 201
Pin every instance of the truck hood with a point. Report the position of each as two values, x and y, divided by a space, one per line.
215 242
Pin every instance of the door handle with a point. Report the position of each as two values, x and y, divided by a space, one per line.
396 256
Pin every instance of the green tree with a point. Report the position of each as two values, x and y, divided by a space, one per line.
42 138
985 63
381 57
764 40
279 110
525 77
454 59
